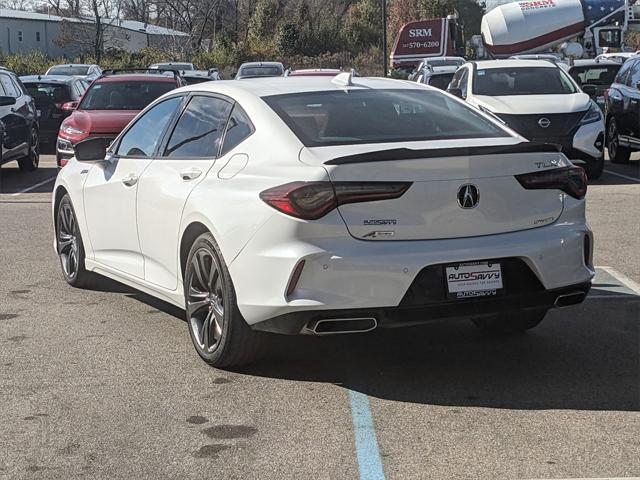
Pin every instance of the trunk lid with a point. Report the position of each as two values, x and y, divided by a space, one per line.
446 176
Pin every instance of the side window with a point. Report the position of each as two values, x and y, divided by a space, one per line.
634 76
455 81
142 138
199 130
239 128
8 86
624 70
464 81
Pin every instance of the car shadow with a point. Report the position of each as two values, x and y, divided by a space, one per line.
582 358
13 180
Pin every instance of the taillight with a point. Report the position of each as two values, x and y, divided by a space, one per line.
571 180
313 200
69 106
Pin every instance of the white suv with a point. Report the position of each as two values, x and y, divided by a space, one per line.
541 102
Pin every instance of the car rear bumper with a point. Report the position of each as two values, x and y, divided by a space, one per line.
342 273
408 315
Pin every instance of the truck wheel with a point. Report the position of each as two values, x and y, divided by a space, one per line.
510 323
617 153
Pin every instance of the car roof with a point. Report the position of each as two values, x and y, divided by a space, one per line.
484 64
136 77
73 65
590 62
48 79
266 86
427 59
261 64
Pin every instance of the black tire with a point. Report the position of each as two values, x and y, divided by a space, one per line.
219 334
509 324
617 153
594 169
30 162
69 245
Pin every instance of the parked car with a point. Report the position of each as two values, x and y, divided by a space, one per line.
260 69
76 70
172 66
192 77
108 106
622 110
436 62
439 77
55 98
18 123
594 76
323 206
541 102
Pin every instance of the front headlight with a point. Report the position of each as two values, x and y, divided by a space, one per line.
72 131
592 115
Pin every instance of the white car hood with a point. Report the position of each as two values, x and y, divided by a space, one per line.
524 104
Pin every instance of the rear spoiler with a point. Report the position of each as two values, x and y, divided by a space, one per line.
409 154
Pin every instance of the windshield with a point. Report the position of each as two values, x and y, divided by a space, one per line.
522 81
261 72
440 81
68 70
379 116
48 93
601 75
124 95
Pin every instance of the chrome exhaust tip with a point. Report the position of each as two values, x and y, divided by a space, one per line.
336 326
569 299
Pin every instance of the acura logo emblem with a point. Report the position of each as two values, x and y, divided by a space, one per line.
468 196
544 122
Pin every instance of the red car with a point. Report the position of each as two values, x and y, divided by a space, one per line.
108 105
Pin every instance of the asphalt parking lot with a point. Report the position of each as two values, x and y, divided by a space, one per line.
106 383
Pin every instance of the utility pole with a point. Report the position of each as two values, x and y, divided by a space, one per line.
384 38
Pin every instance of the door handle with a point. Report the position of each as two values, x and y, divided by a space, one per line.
130 180
190 174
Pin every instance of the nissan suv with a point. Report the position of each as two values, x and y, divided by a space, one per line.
541 102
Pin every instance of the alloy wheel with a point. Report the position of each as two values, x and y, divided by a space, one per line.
68 240
205 300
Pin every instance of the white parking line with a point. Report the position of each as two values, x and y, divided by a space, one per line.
626 177
33 187
623 279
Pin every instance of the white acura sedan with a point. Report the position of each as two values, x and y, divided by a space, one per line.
321 206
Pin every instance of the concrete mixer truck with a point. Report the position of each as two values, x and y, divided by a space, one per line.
575 28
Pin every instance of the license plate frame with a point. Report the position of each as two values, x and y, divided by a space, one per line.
473 280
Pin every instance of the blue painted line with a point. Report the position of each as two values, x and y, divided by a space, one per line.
369 461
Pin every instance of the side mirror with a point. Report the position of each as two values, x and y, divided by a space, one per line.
6 101
92 149
590 90
69 106
456 92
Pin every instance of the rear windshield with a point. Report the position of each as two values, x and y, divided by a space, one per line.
522 81
124 95
601 75
173 66
47 92
441 81
379 116
261 72
68 71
